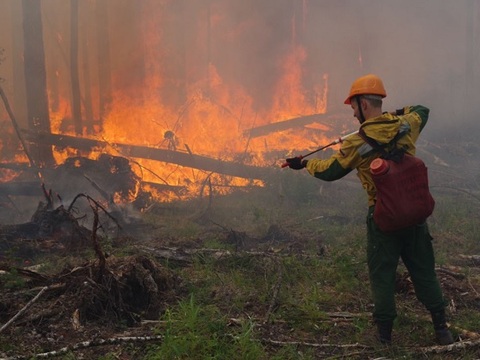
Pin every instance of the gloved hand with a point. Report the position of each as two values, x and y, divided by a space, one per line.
296 163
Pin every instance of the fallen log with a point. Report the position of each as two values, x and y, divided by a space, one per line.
285 125
145 152
186 255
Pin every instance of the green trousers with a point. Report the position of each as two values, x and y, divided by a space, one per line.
414 246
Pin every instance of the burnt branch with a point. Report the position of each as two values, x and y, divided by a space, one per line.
16 127
91 200
48 197
96 246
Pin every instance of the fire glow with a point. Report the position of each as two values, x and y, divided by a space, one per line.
212 125
213 119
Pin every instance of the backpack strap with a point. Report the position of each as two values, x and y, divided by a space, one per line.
395 154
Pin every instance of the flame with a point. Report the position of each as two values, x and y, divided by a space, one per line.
212 122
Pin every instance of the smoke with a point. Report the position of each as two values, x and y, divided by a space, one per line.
426 51
420 48
160 52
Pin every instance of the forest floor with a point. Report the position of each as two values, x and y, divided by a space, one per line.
271 273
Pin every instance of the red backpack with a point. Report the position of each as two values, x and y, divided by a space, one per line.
401 181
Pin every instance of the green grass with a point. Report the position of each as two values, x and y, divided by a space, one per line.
193 331
312 287
12 280
237 302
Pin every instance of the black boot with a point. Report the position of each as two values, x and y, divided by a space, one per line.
385 331
443 335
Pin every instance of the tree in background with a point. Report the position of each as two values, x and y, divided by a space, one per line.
38 117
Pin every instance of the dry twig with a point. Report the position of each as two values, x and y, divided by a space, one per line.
96 245
315 345
438 349
475 259
276 291
450 272
23 310
87 344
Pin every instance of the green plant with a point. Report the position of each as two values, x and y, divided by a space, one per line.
12 280
194 331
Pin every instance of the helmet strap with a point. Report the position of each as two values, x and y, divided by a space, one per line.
362 117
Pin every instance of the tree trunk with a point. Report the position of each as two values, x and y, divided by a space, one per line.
35 79
76 96
19 95
103 51
89 122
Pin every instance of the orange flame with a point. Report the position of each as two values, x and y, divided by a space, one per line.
212 122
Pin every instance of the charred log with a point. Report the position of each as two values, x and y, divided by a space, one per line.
144 152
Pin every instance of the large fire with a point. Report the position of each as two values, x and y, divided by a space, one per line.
212 124
213 120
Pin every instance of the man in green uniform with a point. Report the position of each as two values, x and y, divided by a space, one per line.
412 244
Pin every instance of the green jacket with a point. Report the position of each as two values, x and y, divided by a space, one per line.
355 153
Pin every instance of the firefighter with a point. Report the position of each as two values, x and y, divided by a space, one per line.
412 244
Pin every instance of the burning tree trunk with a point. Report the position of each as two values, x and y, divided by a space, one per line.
76 97
35 79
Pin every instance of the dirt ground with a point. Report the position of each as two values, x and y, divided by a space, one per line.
98 307
111 304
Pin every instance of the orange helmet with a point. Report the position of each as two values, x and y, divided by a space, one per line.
369 84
